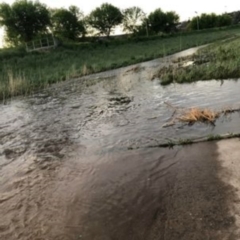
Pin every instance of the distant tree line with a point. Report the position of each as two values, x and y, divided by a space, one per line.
211 20
26 20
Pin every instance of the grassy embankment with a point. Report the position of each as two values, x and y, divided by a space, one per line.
21 72
217 61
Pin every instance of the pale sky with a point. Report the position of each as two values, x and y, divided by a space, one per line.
185 8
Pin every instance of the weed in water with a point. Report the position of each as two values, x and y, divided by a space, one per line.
213 137
170 143
184 141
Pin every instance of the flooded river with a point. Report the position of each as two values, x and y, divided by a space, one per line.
76 162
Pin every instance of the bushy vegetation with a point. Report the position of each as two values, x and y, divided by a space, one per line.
23 20
105 18
159 21
22 73
205 21
217 61
68 23
132 19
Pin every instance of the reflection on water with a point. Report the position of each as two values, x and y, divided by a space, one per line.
78 124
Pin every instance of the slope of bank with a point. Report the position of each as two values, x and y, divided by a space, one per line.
22 73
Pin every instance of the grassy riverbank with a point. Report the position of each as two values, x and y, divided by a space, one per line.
218 61
21 72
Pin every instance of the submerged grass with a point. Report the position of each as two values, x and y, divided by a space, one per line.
170 143
218 61
210 138
22 73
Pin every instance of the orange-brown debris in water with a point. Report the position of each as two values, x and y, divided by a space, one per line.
198 115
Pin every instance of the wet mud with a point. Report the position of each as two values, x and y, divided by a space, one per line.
161 194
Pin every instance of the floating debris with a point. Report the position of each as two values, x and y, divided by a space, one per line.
195 114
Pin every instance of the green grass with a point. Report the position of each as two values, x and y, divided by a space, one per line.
218 61
21 73
215 137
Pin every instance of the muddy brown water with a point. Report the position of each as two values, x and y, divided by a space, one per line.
76 162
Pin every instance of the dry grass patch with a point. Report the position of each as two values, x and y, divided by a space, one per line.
195 114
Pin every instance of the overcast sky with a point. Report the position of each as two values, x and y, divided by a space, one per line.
185 8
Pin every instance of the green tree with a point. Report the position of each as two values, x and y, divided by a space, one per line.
172 19
105 18
159 21
24 20
68 23
194 24
235 17
210 21
132 18
224 20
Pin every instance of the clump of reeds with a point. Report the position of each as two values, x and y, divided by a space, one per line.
87 69
15 83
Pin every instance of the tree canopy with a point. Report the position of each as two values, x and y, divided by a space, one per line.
105 18
210 21
23 20
132 19
68 23
159 21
